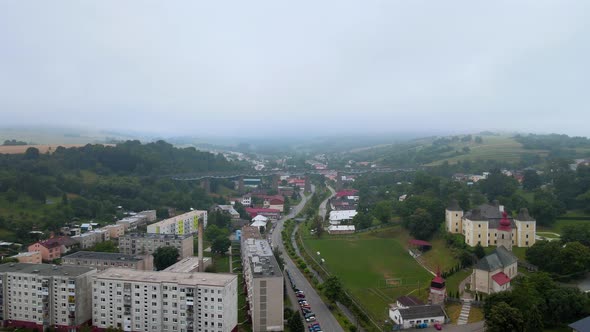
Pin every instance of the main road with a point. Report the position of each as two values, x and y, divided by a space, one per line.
323 314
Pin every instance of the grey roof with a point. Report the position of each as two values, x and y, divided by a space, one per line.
484 212
523 215
495 223
500 258
454 206
111 256
45 269
583 325
422 311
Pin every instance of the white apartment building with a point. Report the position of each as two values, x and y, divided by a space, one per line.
104 260
162 301
264 282
186 223
39 296
147 244
92 238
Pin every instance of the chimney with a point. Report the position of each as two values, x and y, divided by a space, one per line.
200 245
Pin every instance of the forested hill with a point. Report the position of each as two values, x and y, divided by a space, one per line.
46 191
128 158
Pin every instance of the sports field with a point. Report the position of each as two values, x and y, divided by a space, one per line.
375 267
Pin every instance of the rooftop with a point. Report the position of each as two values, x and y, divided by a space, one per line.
422 311
181 278
251 232
188 264
409 301
583 325
110 256
499 258
45 269
500 278
261 258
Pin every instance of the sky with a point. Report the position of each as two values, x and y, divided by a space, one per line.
198 68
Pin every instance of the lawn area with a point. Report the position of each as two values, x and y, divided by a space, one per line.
455 279
365 261
560 224
439 256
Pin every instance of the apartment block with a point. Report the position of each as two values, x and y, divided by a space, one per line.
39 296
188 264
115 231
136 300
92 238
135 220
186 223
33 257
264 282
146 244
104 260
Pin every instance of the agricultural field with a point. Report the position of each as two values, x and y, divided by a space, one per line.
375 267
43 148
500 148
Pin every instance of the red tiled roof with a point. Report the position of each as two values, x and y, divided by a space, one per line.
262 210
500 278
350 192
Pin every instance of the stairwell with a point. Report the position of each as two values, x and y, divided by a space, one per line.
464 316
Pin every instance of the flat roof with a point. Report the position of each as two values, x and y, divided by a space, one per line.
111 256
261 258
181 278
188 264
45 269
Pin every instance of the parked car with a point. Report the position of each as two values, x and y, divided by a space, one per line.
301 296
310 319
438 326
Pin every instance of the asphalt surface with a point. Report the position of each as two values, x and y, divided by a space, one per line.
323 315
324 206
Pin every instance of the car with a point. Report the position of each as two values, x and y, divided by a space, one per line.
306 312
299 291
309 314
301 296
438 326
301 301
310 319
306 306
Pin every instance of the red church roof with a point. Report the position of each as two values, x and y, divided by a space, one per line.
505 223
500 278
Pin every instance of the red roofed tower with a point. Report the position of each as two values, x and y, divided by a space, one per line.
505 232
438 290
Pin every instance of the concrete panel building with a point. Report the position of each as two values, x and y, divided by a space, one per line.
136 300
188 264
104 260
39 296
186 223
92 238
264 282
33 257
146 244
115 231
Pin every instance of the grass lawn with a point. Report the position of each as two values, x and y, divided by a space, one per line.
454 280
560 224
221 263
439 256
364 261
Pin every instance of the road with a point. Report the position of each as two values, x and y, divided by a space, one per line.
323 207
323 314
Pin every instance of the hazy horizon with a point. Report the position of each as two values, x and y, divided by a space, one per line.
252 69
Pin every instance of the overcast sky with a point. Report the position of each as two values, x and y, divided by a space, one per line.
242 67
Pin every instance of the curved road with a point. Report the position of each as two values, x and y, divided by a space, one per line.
323 314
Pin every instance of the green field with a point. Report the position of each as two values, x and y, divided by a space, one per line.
365 261
500 148
558 226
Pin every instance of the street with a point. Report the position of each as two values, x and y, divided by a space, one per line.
323 314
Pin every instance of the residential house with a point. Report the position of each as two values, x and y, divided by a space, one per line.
53 248
33 257
272 214
342 216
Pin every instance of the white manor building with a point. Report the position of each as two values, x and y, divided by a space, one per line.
482 225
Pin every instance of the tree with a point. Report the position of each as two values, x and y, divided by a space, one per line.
575 258
421 224
164 257
317 226
478 140
332 288
479 251
498 184
362 220
576 233
383 211
11 196
106 246
32 153
502 317
531 180
220 245
295 323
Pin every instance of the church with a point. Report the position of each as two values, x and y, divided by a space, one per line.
483 225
